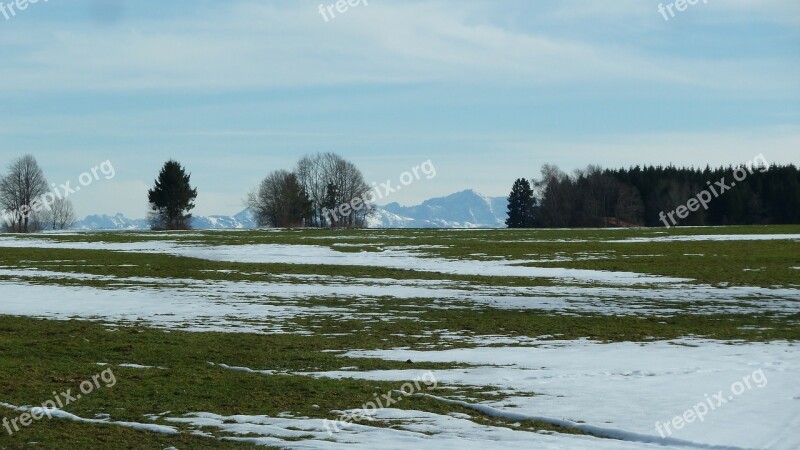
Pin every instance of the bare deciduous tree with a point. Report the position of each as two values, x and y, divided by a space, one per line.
60 215
330 180
23 185
556 190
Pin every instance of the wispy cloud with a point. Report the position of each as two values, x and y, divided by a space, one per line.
527 82
258 46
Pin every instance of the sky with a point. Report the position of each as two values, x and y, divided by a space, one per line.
487 91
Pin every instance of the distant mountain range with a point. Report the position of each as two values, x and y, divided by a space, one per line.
104 222
119 222
466 209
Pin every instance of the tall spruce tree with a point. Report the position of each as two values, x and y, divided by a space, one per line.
172 198
521 204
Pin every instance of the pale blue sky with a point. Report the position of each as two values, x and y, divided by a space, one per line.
487 90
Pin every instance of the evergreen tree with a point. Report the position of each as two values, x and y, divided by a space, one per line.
172 198
330 203
299 204
521 204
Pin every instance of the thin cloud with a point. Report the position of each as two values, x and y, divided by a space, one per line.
256 46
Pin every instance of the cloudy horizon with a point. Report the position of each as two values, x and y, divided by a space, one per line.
488 92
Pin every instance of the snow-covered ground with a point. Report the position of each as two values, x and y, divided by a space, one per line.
619 390
239 306
393 258
630 387
411 430
622 390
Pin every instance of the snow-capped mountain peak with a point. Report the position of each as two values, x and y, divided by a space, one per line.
465 209
106 222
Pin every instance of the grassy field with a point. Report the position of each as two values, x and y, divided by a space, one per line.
351 305
754 263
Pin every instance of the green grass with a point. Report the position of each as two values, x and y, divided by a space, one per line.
755 263
426 331
128 264
42 356
742 263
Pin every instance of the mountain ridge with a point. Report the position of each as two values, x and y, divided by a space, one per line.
464 209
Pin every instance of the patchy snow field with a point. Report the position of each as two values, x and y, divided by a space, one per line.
628 388
625 395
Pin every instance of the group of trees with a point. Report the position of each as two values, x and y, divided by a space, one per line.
280 200
27 202
311 194
29 205
305 197
592 197
636 196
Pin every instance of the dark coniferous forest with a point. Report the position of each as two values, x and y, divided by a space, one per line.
643 196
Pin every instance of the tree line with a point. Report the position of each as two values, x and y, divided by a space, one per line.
639 195
312 194
309 196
